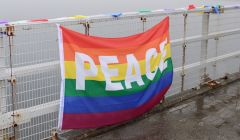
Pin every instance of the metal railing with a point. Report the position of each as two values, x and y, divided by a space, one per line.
205 46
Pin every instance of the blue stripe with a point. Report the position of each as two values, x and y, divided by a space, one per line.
85 104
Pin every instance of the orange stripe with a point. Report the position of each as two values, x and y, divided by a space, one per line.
70 36
94 53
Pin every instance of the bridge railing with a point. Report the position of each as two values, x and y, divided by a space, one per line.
205 46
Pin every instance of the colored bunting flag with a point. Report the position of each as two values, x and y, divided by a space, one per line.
111 80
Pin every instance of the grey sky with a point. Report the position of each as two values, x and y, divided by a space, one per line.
29 9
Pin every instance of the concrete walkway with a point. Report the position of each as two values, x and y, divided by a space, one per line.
212 116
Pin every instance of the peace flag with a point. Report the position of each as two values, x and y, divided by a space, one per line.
111 80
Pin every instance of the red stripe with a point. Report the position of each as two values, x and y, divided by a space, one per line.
76 121
72 37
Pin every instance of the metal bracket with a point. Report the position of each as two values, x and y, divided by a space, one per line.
14 124
10 30
212 83
15 115
13 80
183 73
87 26
216 38
143 19
185 14
54 135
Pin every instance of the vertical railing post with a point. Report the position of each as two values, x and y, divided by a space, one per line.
144 20
10 33
215 62
184 52
87 26
216 47
204 47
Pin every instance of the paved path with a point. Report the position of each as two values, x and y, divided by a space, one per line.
212 116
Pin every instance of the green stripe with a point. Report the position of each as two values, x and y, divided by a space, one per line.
97 88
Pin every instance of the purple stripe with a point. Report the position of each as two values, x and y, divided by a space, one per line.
76 121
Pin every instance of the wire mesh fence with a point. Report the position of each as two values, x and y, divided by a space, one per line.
35 62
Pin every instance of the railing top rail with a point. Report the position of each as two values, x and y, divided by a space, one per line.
126 15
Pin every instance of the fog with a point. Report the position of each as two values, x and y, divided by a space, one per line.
31 9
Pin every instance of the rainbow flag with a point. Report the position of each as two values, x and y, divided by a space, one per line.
111 80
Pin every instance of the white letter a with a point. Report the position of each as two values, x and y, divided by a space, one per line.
133 64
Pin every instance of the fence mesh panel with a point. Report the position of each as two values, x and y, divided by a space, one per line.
229 20
35 58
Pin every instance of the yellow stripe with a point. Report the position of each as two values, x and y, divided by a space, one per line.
70 68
